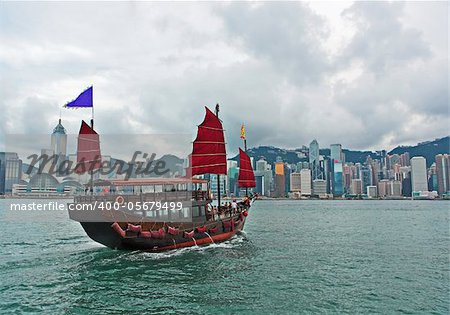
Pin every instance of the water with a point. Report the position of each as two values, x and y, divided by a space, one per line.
294 257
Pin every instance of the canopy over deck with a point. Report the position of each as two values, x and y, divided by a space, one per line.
151 181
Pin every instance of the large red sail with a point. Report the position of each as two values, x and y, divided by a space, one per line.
208 153
88 152
246 176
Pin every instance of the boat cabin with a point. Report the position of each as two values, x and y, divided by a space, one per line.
165 199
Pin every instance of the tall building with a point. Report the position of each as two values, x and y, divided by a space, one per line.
59 140
365 176
305 176
213 184
419 174
261 165
357 187
371 191
314 159
296 182
59 146
263 177
232 176
443 173
320 187
394 188
338 184
336 152
10 171
280 184
383 188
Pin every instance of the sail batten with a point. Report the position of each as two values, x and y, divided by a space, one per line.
246 177
208 149
88 150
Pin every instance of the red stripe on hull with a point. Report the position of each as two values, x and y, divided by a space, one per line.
201 241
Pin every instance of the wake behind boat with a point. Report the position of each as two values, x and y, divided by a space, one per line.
158 214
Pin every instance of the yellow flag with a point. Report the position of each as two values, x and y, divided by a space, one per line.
242 131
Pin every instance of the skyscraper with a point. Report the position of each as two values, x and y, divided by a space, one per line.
336 152
10 171
338 185
305 177
296 183
59 144
419 174
443 173
314 159
280 184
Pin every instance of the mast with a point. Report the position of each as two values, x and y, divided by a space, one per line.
218 175
244 139
209 154
92 127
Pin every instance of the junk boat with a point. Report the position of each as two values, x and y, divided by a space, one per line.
179 212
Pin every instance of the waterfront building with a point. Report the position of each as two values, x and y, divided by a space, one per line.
280 184
296 182
13 172
372 191
288 169
263 180
305 176
394 188
346 177
365 176
320 188
406 186
338 185
314 159
419 174
432 178
383 188
10 171
443 173
357 186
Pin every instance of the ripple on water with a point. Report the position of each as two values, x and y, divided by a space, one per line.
316 257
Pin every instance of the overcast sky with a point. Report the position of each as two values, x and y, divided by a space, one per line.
368 75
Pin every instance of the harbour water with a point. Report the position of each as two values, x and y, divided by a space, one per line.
294 257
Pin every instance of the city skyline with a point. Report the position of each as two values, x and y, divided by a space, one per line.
316 174
327 76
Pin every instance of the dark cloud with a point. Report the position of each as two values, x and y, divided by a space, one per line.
155 66
287 35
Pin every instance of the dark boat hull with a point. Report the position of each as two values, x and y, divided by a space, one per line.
103 233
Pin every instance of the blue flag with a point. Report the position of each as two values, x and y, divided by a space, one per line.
83 100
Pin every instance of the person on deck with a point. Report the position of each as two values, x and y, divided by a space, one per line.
233 206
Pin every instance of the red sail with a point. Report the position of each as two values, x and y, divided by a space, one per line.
246 176
88 153
208 153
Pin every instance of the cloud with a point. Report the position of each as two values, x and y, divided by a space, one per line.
377 80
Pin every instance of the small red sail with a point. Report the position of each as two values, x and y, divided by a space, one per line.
246 176
88 152
208 153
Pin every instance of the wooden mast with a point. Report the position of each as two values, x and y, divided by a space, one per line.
218 175
245 150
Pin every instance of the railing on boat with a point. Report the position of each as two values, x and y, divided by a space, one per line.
146 197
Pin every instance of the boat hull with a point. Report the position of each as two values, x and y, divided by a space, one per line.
105 234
